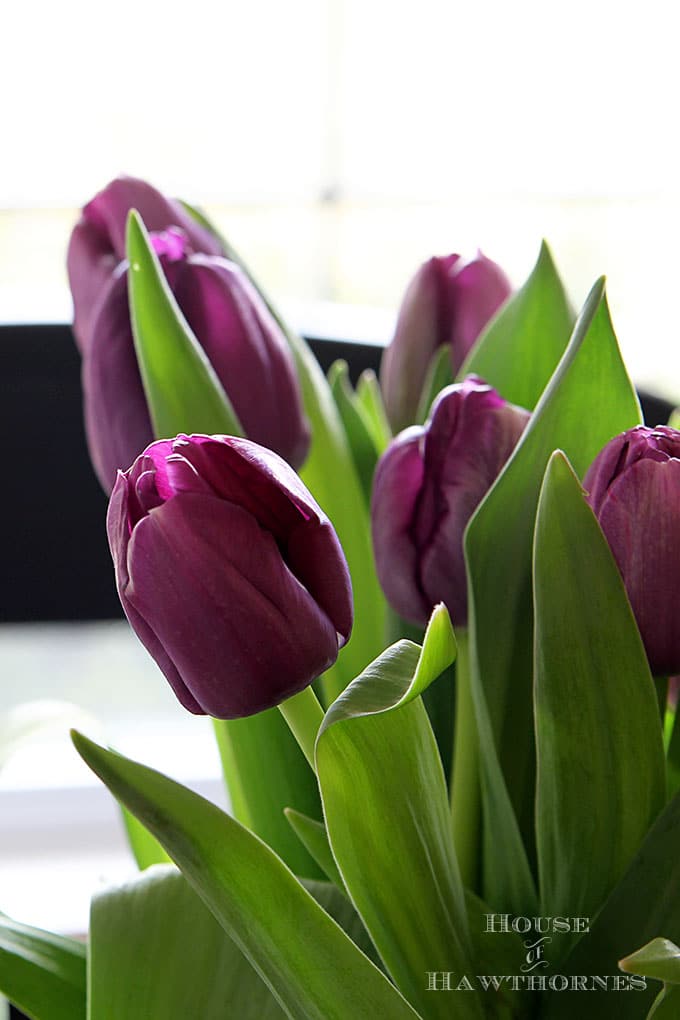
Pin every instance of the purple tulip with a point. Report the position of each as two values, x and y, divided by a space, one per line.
229 573
449 301
97 245
244 344
634 490
427 484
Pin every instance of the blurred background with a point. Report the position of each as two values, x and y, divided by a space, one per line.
337 144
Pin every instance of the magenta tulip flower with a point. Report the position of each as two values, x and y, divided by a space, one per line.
449 301
229 573
634 490
427 485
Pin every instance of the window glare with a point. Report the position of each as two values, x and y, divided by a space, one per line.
339 142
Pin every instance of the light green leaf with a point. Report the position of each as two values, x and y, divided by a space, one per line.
601 769
589 399
314 837
41 973
388 821
645 902
358 426
369 396
520 349
659 959
145 848
336 904
298 951
157 953
182 390
439 375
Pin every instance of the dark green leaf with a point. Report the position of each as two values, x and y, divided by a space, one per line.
41 973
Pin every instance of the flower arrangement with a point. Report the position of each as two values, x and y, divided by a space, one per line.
437 658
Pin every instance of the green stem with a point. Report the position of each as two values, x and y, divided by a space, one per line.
661 685
304 716
465 791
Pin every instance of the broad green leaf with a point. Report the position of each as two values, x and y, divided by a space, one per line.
298 951
41 973
145 848
182 390
645 902
388 821
358 427
659 959
314 837
266 772
520 349
588 400
439 375
369 396
498 952
601 770
330 475
157 953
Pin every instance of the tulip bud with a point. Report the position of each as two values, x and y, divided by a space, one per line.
244 344
229 573
449 301
97 244
633 487
427 484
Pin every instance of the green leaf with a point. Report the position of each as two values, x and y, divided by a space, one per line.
157 953
588 400
336 904
659 959
314 837
673 756
358 427
645 902
439 374
182 390
388 821
520 349
601 769
370 398
145 848
41 973
295 947
667 1005
266 772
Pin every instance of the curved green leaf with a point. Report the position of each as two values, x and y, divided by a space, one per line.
157 953
659 959
521 346
601 769
182 390
439 374
314 837
358 427
146 849
667 1005
370 398
388 820
295 947
41 973
588 400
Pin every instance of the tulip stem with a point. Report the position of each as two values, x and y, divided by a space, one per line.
304 715
465 789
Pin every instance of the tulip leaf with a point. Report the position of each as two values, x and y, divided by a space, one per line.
297 949
314 837
182 389
157 953
41 973
357 425
388 819
645 902
659 959
601 769
145 848
673 756
336 904
588 400
667 1005
330 475
520 348
370 398
439 375
266 772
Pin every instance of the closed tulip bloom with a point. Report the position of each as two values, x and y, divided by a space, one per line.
229 573
427 485
243 342
97 244
633 487
449 301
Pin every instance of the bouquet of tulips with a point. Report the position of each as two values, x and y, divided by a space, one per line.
434 619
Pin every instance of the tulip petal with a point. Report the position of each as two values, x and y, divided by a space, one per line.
479 288
241 631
